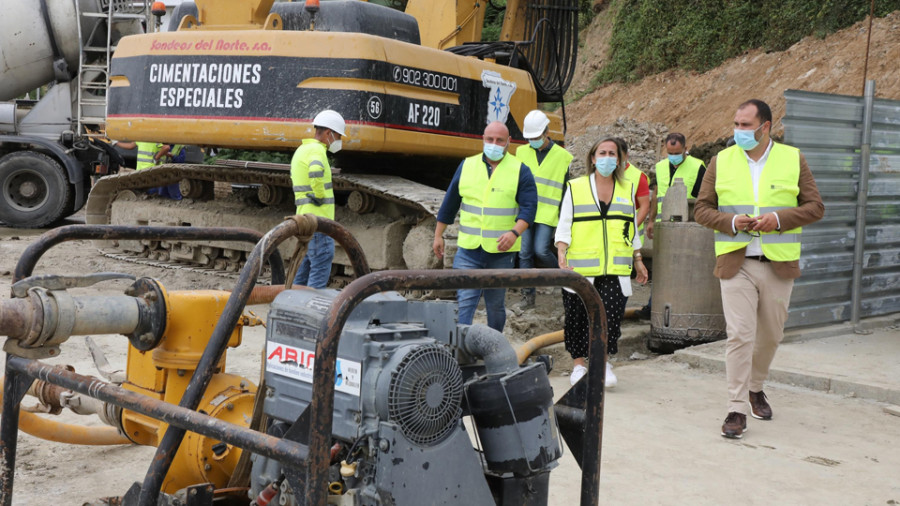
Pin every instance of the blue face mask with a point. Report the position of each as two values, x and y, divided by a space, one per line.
493 152
536 143
606 165
676 159
746 139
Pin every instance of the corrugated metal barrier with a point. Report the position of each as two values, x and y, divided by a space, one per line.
861 193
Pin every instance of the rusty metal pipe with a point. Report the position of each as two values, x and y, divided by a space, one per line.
47 240
16 317
282 450
61 432
322 405
295 226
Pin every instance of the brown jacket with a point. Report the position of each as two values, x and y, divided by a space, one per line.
809 210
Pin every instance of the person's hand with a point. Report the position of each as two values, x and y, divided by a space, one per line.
641 269
766 223
744 223
561 255
438 246
648 230
506 241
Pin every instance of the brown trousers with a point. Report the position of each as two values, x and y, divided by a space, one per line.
755 302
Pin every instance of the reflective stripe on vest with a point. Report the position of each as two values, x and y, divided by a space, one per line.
778 189
687 172
311 161
599 244
549 177
489 207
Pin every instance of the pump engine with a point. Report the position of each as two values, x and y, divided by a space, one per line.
407 376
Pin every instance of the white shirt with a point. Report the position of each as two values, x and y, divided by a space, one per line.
564 231
756 168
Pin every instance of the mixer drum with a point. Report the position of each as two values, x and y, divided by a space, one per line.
687 302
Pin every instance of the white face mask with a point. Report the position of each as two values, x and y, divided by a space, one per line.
335 146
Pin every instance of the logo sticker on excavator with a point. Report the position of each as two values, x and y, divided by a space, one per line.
500 96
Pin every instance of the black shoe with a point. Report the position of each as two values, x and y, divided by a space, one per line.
735 425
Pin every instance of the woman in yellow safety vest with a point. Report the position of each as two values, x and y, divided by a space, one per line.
596 238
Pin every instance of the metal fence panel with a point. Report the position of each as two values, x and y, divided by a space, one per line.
828 130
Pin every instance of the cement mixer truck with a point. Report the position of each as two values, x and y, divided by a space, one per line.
51 145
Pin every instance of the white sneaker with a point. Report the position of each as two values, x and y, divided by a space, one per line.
611 379
577 373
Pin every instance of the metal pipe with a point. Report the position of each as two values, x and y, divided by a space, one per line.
61 432
48 239
859 246
322 405
14 387
492 346
304 225
279 449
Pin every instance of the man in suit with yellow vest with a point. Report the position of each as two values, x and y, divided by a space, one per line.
549 164
313 194
495 195
756 195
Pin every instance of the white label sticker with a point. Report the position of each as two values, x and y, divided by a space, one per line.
500 96
299 364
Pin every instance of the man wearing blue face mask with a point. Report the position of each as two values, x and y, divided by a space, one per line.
677 165
496 197
549 163
756 195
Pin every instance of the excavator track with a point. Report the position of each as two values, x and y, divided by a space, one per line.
392 217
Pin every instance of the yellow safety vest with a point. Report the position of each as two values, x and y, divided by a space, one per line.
601 244
310 170
778 189
687 172
549 177
489 207
145 153
634 174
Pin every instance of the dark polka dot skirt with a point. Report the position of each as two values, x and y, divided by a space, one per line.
576 325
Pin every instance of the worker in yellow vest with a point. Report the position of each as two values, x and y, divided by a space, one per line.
549 164
596 238
313 194
679 164
756 195
496 197
149 154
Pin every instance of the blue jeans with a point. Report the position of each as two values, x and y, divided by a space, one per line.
537 241
494 299
316 267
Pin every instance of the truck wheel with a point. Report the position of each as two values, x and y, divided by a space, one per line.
34 191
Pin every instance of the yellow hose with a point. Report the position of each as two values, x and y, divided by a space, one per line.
60 432
536 343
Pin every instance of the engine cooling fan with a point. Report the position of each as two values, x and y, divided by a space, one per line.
425 393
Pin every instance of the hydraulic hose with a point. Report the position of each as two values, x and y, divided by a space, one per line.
535 343
61 432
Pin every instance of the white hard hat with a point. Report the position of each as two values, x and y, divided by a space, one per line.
535 124
330 119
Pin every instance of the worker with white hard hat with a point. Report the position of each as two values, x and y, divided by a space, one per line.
549 162
313 194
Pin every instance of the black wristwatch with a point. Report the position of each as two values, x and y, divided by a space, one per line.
514 232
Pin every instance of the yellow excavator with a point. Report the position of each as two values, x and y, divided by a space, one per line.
412 78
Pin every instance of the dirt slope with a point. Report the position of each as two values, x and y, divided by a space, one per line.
701 105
